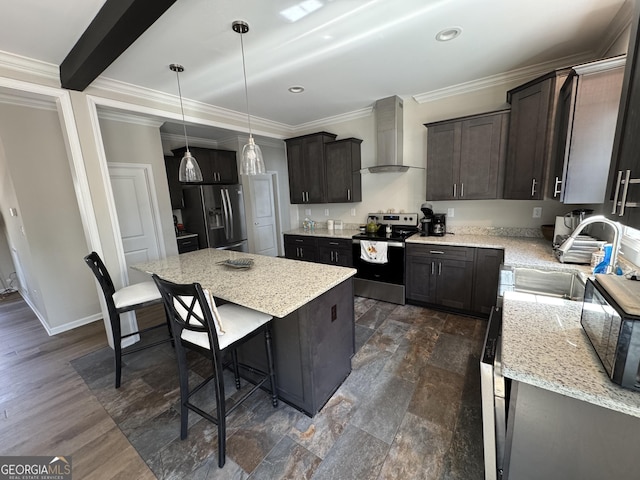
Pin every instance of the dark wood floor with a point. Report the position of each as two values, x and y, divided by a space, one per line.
410 408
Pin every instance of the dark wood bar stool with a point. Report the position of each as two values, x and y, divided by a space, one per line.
198 324
123 300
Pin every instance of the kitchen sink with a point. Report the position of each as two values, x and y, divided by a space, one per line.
550 283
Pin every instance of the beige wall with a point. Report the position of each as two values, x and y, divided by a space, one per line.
47 236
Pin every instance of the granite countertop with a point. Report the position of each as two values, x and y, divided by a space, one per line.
276 286
532 252
324 232
544 345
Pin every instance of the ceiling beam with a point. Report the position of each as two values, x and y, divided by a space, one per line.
116 26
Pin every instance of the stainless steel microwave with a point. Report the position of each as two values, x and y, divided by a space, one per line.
614 334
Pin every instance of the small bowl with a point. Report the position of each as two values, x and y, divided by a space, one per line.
547 231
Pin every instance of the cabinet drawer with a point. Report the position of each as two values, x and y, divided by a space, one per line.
188 244
300 240
335 243
442 251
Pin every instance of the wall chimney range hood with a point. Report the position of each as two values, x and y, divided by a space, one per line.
388 113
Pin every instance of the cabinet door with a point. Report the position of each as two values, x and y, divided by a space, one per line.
486 280
566 104
315 176
527 142
455 283
443 160
295 166
224 166
172 167
421 278
482 157
342 159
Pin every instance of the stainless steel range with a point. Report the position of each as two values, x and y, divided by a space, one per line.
379 257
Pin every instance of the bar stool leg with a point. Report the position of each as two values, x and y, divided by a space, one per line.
272 374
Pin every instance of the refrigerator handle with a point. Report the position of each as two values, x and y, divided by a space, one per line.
230 207
225 215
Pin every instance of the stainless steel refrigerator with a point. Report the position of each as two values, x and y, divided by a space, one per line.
216 214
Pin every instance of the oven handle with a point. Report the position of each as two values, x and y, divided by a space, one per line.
389 244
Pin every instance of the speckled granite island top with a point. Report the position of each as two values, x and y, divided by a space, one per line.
277 286
544 345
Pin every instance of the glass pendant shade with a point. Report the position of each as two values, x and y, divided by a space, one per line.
189 169
252 162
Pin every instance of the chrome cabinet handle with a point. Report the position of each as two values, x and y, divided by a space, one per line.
348 194
557 187
454 190
625 192
533 187
461 190
439 268
336 257
436 252
433 268
617 192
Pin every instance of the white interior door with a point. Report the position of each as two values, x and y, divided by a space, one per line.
133 196
262 218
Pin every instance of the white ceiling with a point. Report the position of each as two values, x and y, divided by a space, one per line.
346 54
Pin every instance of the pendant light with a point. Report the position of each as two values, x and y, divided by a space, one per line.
252 162
189 169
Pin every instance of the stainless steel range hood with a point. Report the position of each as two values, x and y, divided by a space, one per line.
389 113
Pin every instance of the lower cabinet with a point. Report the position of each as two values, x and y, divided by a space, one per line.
188 244
463 279
329 250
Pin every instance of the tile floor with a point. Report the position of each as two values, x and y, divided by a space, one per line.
410 409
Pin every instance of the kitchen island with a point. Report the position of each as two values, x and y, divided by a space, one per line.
313 328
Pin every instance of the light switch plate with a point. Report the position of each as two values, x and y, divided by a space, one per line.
450 212
537 212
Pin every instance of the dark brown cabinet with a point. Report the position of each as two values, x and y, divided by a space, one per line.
188 243
335 251
344 182
465 157
172 167
530 139
585 129
623 193
307 168
486 279
463 279
217 166
440 275
300 247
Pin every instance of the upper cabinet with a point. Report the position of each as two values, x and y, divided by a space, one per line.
323 170
623 191
344 182
466 156
172 167
530 142
585 129
217 166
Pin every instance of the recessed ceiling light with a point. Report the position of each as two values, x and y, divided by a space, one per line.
296 89
448 34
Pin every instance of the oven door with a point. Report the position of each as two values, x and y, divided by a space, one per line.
390 272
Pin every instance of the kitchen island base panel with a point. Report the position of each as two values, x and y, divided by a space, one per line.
312 349
553 436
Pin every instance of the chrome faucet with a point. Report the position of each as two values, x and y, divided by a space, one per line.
617 238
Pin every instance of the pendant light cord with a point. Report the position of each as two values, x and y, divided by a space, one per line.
246 90
184 126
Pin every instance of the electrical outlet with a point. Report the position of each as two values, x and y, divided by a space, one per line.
450 212
326 212
537 212
353 212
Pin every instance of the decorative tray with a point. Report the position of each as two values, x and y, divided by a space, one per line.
238 263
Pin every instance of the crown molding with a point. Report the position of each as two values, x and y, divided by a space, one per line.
617 27
30 66
514 76
28 101
176 139
119 116
344 117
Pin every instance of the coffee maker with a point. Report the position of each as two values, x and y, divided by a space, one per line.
439 224
425 222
